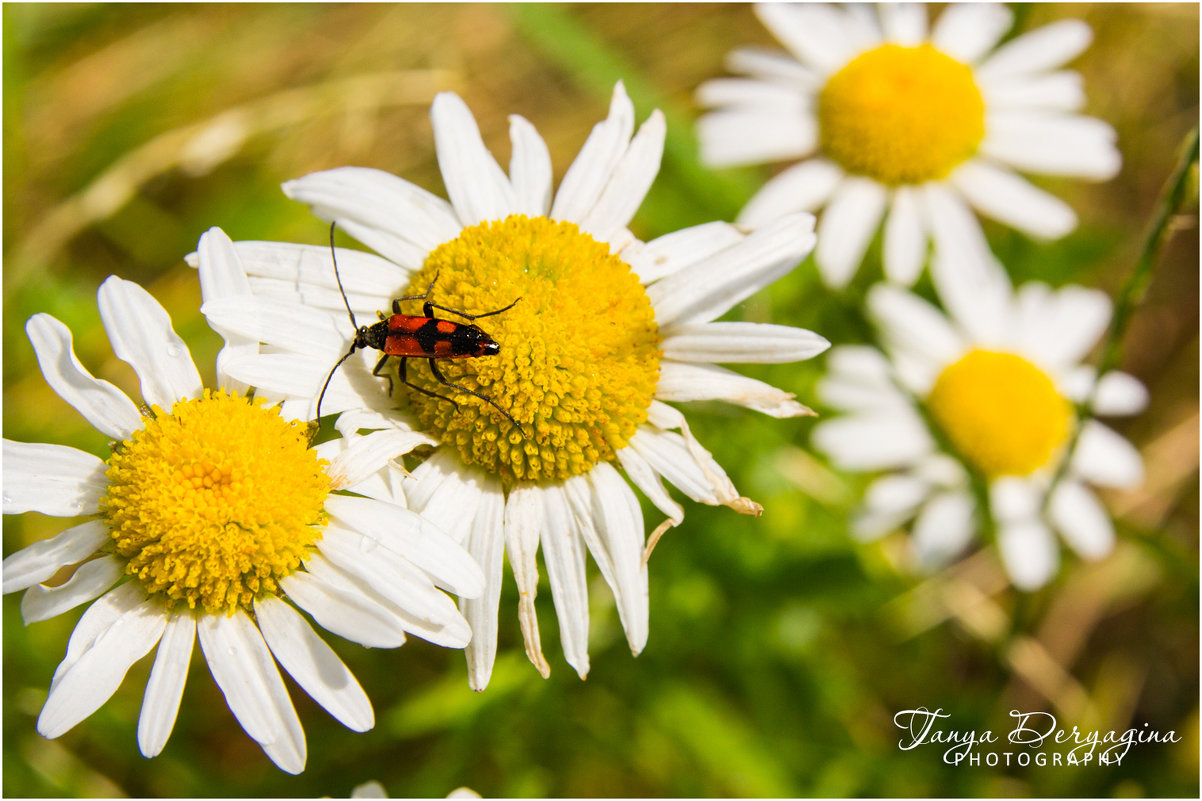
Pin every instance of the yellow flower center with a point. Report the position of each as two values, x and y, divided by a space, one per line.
901 115
1002 413
215 502
579 353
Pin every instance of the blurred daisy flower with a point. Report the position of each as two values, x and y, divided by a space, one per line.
916 127
608 328
210 515
978 407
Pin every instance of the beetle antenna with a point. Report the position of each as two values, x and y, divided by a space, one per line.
338 278
349 313
329 377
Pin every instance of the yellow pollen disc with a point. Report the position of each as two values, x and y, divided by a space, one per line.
901 115
1002 413
579 353
215 502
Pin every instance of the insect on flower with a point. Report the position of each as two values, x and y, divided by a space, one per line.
422 336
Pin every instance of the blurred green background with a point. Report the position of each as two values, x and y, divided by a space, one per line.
780 650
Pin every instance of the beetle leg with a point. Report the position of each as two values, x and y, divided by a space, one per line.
405 380
442 380
380 365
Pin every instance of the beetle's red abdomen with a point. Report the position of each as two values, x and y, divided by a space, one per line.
428 337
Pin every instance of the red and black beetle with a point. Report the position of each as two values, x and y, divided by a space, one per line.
409 336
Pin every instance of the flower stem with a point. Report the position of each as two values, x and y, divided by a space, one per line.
1180 189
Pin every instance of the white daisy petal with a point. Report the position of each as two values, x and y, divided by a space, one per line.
342 609
1082 520
1039 50
772 65
529 168
563 553
475 183
1001 194
853 393
943 528
278 323
673 252
107 408
873 441
741 342
588 175
801 187
427 612
862 25
523 523
220 270
245 672
710 287
165 687
693 382
648 481
978 298
54 480
1058 91
97 672
904 23
312 266
1029 553
911 324
861 363
1052 144
628 184
398 250
350 422
968 31
314 665
89 581
289 374
1071 321
486 543
363 457
377 199
1105 458
739 136
97 619
888 502
445 494
896 493
668 454
663 416
373 789
222 276
141 335
1120 393
960 244
36 563
751 93
411 537
817 35
905 243
618 522
1014 498
846 227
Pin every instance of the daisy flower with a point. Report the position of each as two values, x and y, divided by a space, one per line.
914 127
211 518
607 330
970 414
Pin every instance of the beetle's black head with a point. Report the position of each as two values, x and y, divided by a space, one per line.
371 336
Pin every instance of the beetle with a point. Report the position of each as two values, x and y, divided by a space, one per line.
409 336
